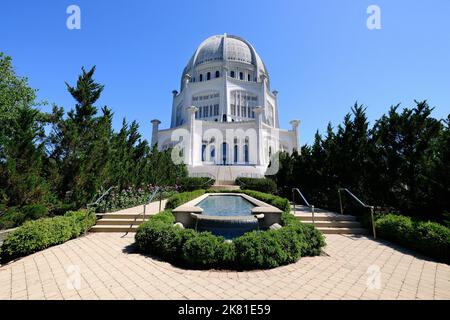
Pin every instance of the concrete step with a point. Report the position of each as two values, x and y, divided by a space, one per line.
322 217
113 228
130 216
224 187
122 222
334 224
343 230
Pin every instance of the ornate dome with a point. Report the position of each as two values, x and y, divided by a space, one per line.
225 48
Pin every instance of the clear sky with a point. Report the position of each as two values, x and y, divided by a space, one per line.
320 55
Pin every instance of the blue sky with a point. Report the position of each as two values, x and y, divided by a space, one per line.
319 53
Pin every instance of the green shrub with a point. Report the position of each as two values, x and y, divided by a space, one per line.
203 250
276 201
61 209
35 211
395 228
180 198
262 184
40 234
432 239
429 238
195 183
12 218
257 249
158 236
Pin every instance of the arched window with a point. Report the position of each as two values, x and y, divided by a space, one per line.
236 148
241 76
248 77
213 153
203 152
217 74
208 76
224 153
201 78
246 160
232 74
224 118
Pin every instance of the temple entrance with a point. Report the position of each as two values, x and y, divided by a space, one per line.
224 153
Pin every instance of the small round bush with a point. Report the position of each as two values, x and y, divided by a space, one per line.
259 249
433 239
395 228
203 250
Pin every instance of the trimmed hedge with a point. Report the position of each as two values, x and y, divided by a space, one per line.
429 238
257 184
40 234
195 183
180 198
253 250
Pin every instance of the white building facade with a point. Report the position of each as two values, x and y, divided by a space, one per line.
225 114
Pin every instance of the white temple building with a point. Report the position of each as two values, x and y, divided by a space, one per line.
225 119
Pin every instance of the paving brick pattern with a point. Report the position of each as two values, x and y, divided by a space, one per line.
101 266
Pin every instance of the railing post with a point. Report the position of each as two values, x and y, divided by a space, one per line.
312 211
143 216
340 201
293 198
373 222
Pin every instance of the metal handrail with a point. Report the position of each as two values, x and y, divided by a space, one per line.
371 208
305 201
150 199
100 198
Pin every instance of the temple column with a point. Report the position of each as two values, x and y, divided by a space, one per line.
296 145
191 127
259 138
155 129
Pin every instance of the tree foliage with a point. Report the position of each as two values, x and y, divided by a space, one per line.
401 162
69 157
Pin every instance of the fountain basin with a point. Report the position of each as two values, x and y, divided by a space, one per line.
227 214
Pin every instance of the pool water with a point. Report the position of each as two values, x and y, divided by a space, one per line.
222 205
229 216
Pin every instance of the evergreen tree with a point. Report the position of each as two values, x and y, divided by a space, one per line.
81 142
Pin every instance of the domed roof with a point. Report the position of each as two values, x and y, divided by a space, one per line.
221 48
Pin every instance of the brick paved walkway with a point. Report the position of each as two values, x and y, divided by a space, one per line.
109 271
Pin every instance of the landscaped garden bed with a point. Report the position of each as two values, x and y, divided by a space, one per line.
253 250
429 238
40 234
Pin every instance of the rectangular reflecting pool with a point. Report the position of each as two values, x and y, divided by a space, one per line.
226 205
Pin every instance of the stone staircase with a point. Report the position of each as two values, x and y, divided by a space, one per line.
329 222
127 220
113 222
